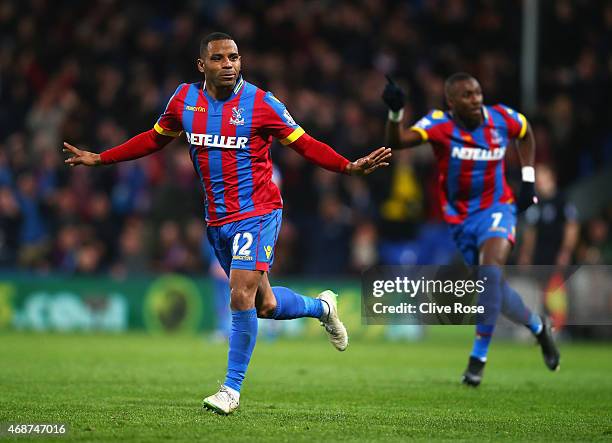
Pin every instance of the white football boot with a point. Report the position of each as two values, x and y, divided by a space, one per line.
332 324
223 402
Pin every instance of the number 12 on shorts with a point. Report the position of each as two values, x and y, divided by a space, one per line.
245 250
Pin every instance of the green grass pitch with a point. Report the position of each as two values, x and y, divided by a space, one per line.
149 388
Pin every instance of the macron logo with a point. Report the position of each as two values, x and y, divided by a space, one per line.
217 141
464 153
195 108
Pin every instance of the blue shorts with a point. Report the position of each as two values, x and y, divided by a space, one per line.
246 244
496 221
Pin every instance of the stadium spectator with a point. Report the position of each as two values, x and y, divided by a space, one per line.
34 234
10 226
551 235
65 250
132 258
596 245
329 238
172 254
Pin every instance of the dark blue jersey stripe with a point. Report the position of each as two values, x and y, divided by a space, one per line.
454 171
213 127
478 172
191 99
243 157
502 130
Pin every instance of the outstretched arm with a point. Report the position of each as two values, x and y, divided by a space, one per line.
395 136
323 155
280 124
398 138
379 158
143 144
526 148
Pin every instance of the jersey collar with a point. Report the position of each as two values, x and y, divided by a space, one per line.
237 88
485 119
239 85
485 114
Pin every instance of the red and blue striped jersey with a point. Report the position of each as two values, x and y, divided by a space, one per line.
471 163
229 143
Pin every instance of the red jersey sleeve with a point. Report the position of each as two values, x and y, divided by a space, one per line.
278 122
516 122
170 123
429 126
136 147
320 154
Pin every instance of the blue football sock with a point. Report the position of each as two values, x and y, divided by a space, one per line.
491 299
514 308
241 343
484 333
534 323
223 315
291 305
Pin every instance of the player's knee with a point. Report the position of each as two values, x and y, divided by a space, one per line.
266 309
242 298
495 252
492 261
492 257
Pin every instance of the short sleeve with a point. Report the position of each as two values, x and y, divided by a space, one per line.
278 122
532 216
169 123
570 212
517 123
427 125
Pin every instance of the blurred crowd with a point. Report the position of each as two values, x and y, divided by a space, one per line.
96 73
